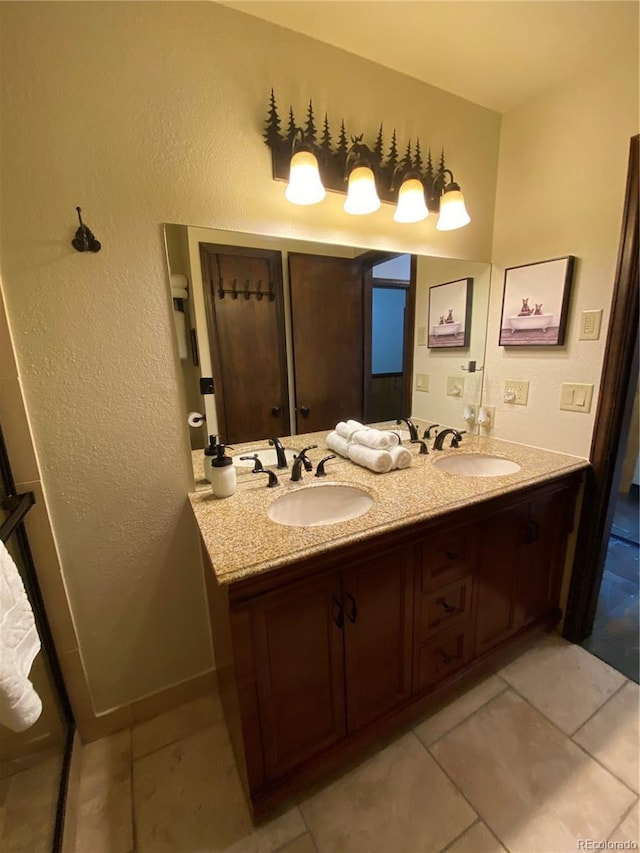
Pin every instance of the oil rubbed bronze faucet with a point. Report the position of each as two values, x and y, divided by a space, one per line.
413 429
280 454
455 441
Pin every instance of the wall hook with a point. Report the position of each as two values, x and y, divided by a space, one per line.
84 241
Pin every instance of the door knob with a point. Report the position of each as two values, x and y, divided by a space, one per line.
305 411
276 411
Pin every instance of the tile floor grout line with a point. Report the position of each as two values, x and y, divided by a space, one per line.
477 821
305 822
624 817
290 841
479 815
597 761
570 738
169 743
453 728
597 711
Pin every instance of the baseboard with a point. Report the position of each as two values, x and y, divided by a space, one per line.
125 716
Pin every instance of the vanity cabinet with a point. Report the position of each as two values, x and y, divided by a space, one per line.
520 558
320 657
332 654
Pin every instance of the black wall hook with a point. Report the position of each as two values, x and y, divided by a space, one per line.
84 241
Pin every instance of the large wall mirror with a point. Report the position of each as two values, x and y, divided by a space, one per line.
298 335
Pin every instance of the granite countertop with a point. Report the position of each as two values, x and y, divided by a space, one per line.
242 541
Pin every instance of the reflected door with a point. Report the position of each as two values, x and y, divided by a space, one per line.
245 318
327 319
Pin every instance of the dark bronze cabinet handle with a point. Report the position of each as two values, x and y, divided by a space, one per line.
353 613
451 555
276 411
305 411
445 657
448 608
339 618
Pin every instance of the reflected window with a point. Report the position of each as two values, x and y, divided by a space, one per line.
387 329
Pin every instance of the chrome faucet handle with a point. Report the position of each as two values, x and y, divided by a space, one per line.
320 472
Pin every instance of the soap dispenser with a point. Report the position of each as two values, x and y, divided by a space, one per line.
223 474
210 454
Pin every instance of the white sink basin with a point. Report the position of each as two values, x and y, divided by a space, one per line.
476 465
267 455
312 506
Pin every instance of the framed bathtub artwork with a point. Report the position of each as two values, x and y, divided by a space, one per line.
535 303
450 314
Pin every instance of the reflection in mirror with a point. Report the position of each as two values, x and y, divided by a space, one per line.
298 335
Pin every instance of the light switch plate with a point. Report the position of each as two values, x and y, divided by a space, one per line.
422 381
455 386
590 322
422 336
519 388
576 398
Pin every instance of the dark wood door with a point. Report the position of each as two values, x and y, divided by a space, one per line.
299 648
501 539
327 318
378 603
243 296
541 557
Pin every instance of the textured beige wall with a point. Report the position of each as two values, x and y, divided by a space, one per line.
143 113
562 175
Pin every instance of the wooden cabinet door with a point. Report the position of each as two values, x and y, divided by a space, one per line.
378 609
245 318
327 319
541 558
299 643
501 539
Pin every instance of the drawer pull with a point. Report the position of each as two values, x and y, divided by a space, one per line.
446 657
451 555
448 608
353 614
339 618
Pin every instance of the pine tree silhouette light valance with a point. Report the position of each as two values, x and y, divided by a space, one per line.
312 162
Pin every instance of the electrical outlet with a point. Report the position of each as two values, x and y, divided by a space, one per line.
576 398
422 336
455 386
422 381
516 391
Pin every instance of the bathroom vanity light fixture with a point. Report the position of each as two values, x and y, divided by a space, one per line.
312 162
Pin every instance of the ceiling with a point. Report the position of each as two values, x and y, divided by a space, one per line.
497 53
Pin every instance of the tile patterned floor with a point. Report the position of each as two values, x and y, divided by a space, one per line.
536 758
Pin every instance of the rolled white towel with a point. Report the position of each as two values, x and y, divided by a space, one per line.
336 442
401 457
348 428
376 438
379 461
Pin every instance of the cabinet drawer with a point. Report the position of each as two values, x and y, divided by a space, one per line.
445 607
442 655
447 557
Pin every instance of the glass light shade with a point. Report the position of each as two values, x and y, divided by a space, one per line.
453 213
362 196
411 206
305 186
